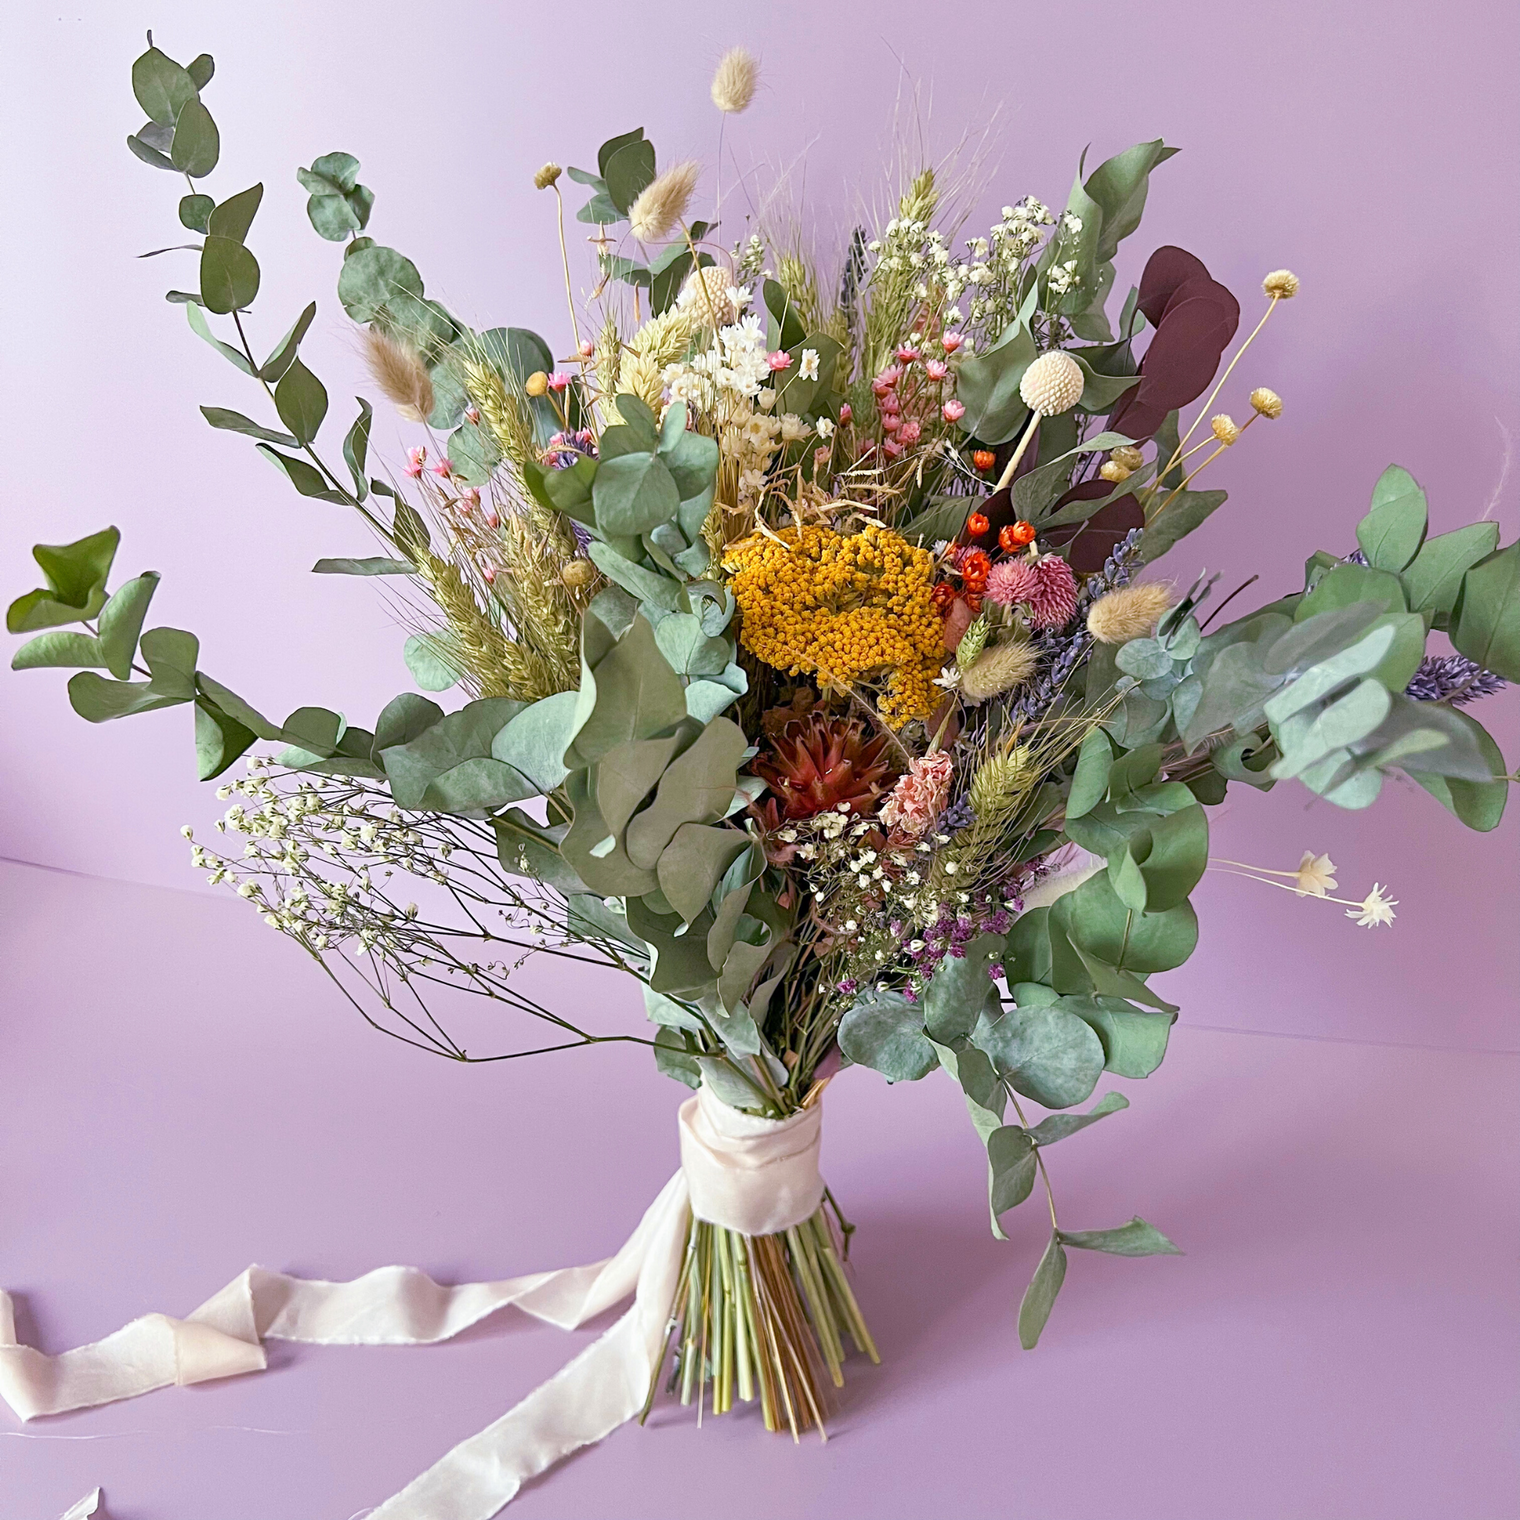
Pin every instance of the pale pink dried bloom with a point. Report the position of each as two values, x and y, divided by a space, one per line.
416 458
953 410
779 359
936 369
951 341
910 431
919 797
892 449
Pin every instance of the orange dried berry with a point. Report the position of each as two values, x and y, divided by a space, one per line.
975 568
977 524
1016 535
984 459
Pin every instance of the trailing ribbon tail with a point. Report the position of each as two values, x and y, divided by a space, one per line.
757 1176
398 1306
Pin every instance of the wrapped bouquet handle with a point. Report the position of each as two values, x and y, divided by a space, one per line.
752 1175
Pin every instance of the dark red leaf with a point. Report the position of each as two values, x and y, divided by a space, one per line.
1165 270
1093 541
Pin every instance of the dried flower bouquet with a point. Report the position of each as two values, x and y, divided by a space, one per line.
804 668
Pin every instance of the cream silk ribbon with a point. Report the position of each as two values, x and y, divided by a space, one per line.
758 1176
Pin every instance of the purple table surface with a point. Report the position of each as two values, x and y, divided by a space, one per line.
184 1095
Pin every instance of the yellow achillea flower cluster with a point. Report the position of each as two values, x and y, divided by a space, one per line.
841 607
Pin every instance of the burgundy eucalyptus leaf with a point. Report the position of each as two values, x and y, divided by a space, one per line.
1090 543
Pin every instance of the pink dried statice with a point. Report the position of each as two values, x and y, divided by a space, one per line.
919 797
1046 586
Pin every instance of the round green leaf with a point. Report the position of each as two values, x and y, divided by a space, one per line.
197 144
1046 1053
301 401
374 276
634 493
884 1031
229 275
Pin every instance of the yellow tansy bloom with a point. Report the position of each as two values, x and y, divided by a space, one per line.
842 607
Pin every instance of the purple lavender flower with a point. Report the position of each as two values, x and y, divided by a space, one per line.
1452 678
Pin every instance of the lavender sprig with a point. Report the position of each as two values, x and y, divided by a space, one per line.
1452 678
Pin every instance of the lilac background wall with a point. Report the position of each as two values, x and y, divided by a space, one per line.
184 1093
1375 157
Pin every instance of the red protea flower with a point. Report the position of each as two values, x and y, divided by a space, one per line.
817 762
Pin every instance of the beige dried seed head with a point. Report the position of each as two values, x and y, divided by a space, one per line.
1224 428
734 83
997 670
1114 471
663 202
537 384
547 176
1131 612
1281 285
1266 402
1128 456
398 369
1052 384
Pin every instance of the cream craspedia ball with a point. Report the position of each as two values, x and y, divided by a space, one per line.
1052 384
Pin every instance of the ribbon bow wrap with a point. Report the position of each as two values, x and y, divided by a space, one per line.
753 1175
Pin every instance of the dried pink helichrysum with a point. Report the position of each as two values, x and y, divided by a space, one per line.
919 796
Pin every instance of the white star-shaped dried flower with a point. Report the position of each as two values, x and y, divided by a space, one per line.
808 368
1316 875
1376 910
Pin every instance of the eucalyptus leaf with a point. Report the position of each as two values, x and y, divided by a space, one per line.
197 144
234 216
301 400
1391 533
1487 627
1045 1053
1137 1238
884 1031
121 621
229 275
1040 1296
426 656
236 422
